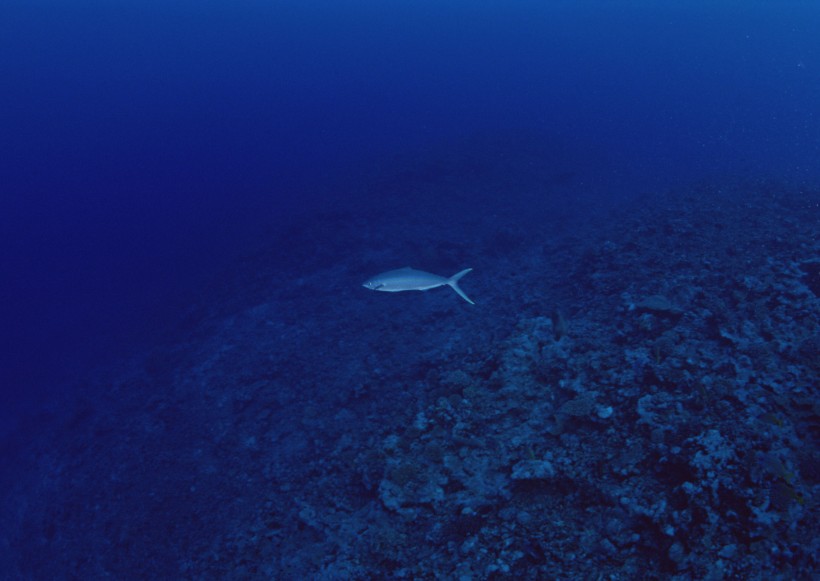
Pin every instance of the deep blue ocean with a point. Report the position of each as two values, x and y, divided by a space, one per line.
196 383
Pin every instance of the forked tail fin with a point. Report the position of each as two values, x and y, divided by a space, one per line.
453 282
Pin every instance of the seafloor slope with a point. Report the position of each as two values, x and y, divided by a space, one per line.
633 396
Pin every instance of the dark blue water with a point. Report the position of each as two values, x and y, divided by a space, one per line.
191 194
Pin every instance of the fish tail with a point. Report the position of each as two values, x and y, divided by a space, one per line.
453 282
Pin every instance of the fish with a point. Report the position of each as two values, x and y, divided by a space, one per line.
405 279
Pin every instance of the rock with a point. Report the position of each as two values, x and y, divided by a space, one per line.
659 305
533 470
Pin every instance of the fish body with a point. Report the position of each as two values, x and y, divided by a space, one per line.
405 279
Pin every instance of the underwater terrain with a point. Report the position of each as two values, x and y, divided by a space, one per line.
634 395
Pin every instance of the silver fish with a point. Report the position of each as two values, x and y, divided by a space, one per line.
405 279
